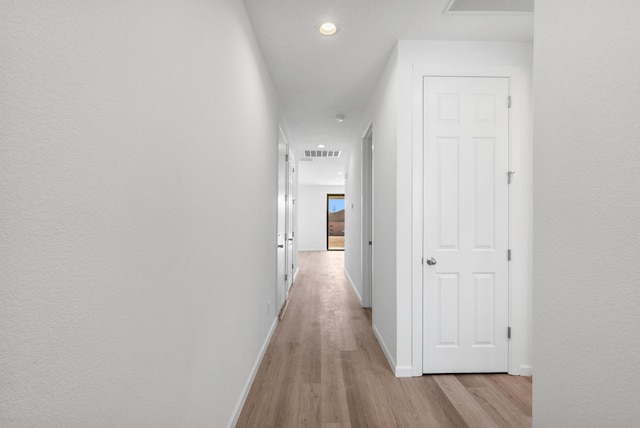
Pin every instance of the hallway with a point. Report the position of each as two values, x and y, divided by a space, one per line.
325 368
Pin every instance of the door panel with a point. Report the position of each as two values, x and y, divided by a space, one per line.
449 309
448 195
484 309
484 193
466 221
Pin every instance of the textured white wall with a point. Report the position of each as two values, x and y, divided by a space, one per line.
586 214
130 185
312 216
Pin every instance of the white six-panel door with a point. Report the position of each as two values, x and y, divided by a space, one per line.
466 291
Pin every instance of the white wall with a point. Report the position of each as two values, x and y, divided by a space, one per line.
586 215
312 216
130 185
385 248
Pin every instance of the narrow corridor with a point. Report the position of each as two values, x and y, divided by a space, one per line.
325 368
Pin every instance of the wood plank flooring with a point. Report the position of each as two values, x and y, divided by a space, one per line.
325 368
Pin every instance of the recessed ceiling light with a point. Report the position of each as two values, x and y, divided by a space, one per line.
321 146
328 29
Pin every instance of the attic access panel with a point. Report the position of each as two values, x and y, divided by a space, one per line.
488 6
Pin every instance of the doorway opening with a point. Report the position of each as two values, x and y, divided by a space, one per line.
335 222
367 217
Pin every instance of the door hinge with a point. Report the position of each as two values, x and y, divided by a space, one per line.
508 332
509 101
286 157
286 276
509 255
510 176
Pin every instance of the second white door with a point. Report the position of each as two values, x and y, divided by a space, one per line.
466 222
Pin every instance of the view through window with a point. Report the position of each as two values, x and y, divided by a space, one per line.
335 222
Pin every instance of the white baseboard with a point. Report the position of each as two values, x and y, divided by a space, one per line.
398 371
252 376
526 370
295 274
385 350
404 371
353 286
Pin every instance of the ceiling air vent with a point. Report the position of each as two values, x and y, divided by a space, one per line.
322 153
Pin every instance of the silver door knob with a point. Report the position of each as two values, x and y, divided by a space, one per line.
281 246
431 261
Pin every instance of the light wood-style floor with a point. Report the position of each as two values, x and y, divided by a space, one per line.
325 368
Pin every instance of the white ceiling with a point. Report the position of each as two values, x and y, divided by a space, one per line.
318 77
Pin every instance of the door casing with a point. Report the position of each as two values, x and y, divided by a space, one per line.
280 296
520 210
289 228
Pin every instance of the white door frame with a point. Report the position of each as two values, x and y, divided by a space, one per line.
282 287
289 230
520 209
367 217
